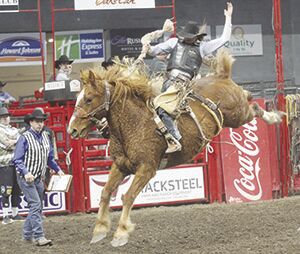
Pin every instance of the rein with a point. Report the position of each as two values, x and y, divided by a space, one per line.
81 113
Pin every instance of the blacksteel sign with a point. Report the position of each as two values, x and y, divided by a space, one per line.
178 185
9 5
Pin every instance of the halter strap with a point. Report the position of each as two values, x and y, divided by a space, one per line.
81 113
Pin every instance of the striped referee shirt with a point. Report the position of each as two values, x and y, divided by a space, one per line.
33 153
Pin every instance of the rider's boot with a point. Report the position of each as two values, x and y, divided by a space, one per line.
171 133
173 144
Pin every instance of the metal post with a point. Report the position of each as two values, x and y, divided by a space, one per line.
283 131
53 37
41 40
174 15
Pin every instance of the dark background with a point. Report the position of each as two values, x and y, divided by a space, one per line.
256 70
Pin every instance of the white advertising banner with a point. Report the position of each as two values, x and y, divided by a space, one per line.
53 202
9 5
169 185
113 4
246 40
21 49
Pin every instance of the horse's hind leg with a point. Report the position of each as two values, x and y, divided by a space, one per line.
103 220
142 177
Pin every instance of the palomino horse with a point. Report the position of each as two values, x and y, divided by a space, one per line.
120 94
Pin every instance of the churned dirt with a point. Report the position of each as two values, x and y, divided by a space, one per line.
261 227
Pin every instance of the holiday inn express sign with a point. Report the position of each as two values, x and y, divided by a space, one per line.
113 4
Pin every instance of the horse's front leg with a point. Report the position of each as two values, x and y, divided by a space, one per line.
103 220
142 176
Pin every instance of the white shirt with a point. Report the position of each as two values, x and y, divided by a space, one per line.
206 47
61 75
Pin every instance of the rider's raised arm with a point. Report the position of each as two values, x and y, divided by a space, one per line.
164 47
166 31
210 46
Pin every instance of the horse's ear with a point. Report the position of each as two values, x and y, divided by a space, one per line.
92 78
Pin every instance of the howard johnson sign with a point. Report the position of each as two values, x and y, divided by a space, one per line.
20 49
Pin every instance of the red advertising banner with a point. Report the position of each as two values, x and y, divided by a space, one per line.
246 162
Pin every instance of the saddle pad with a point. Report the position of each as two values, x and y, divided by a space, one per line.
168 100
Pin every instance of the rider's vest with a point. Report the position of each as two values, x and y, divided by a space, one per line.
186 58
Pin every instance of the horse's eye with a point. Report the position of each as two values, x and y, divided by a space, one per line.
88 101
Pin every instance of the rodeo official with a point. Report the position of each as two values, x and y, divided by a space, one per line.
34 152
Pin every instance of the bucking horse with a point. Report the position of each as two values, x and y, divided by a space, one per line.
121 95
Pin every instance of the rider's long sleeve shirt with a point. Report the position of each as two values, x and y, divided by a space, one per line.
206 47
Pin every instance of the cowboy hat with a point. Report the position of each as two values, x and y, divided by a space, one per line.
190 31
37 114
62 60
4 112
2 83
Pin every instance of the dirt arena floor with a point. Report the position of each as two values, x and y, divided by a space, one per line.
262 227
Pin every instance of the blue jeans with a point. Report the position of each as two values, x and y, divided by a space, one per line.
168 121
33 193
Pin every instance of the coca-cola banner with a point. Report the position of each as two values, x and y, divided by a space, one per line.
246 162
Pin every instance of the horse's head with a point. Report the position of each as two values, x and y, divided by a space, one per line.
92 104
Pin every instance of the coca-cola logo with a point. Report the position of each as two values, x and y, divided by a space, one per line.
248 184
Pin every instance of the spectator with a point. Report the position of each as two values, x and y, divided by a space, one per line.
5 98
32 155
63 64
8 180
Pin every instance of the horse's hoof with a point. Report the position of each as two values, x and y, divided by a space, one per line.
98 237
119 241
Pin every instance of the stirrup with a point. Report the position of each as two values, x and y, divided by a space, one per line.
173 144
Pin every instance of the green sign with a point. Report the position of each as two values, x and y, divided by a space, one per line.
67 45
82 46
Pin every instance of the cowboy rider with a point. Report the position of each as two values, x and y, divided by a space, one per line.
186 53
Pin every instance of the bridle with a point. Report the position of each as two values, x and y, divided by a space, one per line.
81 113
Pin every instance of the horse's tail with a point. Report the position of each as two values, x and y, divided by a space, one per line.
223 64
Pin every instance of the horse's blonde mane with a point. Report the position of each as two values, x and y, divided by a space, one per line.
127 78
222 64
